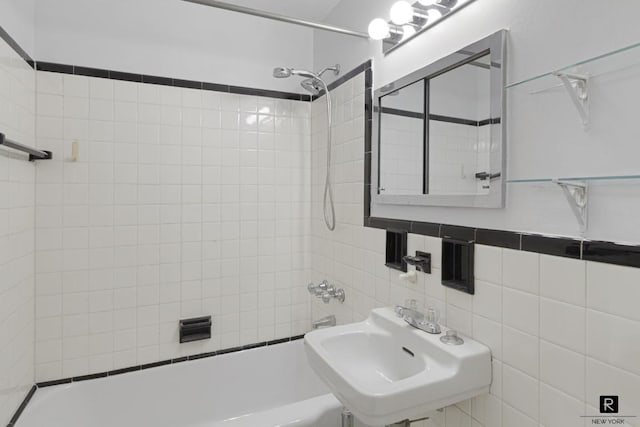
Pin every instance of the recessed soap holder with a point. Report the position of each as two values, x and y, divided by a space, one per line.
457 265
195 329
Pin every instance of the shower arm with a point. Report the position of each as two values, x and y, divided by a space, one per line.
277 17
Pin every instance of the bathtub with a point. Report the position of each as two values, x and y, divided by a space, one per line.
266 386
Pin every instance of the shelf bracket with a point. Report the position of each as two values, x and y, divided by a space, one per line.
577 86
577 194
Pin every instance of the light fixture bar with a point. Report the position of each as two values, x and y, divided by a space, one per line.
277 17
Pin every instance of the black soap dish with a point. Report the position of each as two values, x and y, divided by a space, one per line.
195 329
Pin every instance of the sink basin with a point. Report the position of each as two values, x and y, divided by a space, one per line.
385 371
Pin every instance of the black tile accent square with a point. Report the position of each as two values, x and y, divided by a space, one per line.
611 253
501 239
279 341
155 364
54 68
189 84
91 72
297 337
124 370
90 377
255 345
457 232
426 228
387 224
53 382
229 350
569 248
204 355
215 87
128 77
156 80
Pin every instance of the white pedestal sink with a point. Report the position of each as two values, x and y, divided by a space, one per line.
385 371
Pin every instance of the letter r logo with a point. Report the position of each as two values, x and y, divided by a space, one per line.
608 404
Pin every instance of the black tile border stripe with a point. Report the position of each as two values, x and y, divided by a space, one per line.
168 362
166 81
583 249
22 406
16 47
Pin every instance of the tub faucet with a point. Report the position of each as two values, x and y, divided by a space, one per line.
325 322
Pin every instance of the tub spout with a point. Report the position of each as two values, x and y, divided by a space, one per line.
325 322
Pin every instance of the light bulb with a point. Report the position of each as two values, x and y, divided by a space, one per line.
434 15
401 12
428 2
407 31
378 29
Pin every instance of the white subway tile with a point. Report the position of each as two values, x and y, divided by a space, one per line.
562 369
520 391
520 270
520 351
562 324
613 340
488 264
520 310
613 289
563 279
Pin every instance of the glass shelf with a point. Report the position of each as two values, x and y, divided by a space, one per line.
576 178
598 65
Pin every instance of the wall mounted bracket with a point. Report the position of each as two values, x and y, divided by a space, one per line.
577 86
577 194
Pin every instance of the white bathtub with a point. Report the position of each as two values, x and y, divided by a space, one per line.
262 387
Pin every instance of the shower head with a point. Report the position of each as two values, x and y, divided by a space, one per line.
283 73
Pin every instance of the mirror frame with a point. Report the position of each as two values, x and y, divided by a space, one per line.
495 46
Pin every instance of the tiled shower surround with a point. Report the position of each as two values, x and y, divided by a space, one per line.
562 332
17 177
183 203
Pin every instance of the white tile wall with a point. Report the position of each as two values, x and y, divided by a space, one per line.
562 331
17 193
182 203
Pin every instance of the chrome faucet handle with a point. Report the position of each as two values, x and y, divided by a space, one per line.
326 297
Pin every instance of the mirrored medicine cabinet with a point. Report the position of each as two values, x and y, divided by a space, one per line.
439 132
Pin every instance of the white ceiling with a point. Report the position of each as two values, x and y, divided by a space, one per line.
314 10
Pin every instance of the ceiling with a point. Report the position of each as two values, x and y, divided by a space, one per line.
314 10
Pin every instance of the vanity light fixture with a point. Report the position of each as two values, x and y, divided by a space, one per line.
406 20
401 12
378 29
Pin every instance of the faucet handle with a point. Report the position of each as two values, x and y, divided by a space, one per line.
433 315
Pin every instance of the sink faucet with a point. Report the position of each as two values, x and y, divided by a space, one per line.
325 322
415 318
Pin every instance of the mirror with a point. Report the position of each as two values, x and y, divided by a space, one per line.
439 132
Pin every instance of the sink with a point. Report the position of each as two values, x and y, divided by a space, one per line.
385 371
